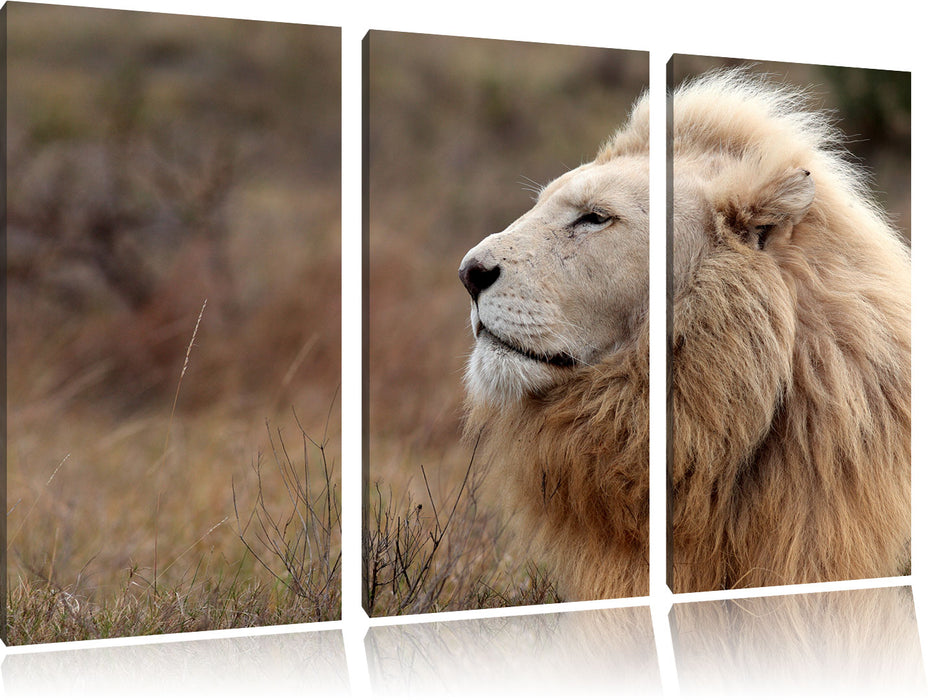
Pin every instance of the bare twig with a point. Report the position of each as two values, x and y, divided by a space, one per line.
301 538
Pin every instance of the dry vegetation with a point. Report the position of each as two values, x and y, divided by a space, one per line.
173 202
461 134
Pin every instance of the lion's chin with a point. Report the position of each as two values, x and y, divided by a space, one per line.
558 359
500 374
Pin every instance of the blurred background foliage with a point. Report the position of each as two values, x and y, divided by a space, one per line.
461 134
870 107
156 163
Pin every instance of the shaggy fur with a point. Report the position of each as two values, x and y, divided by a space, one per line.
789 398
582 493
573 459
790 365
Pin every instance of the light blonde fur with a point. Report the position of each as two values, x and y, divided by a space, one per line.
570 444
789 398
790 365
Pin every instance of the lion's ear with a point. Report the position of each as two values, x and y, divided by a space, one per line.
788 198
770 209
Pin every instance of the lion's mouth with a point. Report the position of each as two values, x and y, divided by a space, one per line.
557 360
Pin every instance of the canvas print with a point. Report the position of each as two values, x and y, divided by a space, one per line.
789 324
505 373
172 323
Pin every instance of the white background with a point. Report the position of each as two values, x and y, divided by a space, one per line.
893 35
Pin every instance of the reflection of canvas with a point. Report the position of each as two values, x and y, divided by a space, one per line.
172 267
854 642
587 653
461 133
789 338
238 666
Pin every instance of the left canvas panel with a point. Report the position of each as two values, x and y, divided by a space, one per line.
172 322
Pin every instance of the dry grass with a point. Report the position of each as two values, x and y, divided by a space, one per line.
152 549
133 199
449 555
305 543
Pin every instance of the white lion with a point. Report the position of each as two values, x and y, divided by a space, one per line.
789 366
558 376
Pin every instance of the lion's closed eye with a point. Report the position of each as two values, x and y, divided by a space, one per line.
592 219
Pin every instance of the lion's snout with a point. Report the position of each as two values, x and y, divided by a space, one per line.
477 275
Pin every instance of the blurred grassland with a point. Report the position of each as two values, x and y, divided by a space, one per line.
461 134
157 163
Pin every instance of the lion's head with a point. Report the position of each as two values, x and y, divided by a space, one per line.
789 356
557 382
564 286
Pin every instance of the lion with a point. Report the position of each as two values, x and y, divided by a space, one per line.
788 367
557 381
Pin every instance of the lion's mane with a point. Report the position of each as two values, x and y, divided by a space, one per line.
788 377
789 366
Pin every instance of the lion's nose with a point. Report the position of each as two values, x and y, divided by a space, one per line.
476 276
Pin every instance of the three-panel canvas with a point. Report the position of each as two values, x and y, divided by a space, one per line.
173 320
